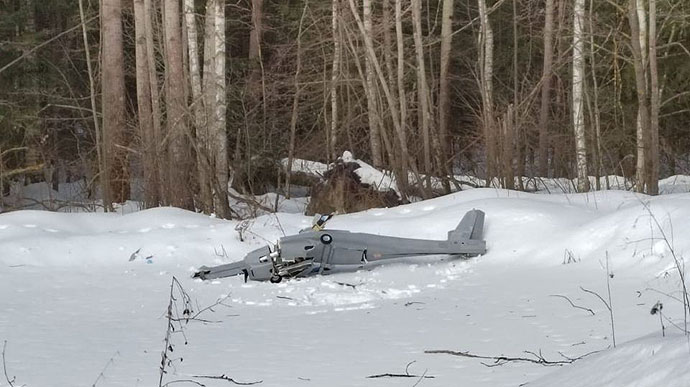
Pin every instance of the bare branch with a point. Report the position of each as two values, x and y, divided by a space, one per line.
572 304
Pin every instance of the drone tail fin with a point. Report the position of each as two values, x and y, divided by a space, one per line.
470 227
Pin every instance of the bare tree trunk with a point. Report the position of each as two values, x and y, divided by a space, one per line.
639 56
219 136
401 131
508 139
144 106
157 151
422 88
204 168
546 90
513 138
179 191
371 55
653 177
335 76
597 111
444 82
486 55
373 115
105 187
114 110
295 103
578 100
256 33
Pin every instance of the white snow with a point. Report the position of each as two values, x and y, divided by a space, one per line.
83 296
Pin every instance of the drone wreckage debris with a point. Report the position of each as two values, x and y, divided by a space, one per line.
320 251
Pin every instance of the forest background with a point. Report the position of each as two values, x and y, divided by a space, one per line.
185 99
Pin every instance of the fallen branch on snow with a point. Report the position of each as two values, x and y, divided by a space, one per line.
229 379
535 358
405 375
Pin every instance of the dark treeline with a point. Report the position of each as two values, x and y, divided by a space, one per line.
188 97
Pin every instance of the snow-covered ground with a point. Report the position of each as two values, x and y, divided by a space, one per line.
83 297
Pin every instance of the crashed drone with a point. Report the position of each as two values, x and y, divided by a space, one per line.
319 251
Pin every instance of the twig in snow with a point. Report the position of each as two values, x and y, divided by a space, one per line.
421 378
407 374
608 306
179 313
353 286
679 263
4 367
228 379
536 358
572 304
184 381
657 309
222 253
102 374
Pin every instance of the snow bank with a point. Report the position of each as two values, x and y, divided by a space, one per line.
81 289
647 361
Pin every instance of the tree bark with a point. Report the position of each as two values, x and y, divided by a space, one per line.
179 166
157 151
219 135
642 95
578 100
203 168
486 55
256 33
543 151
144 106
653 178
372 108
444 81
94 112
597 111
114 110
422 87
335 76
295 104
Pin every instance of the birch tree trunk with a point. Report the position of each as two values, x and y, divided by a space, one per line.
335 76
179 191
639 57
144 106
578 97
486 55
114 110
198 110
219 136
373 115
653 179
543 150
